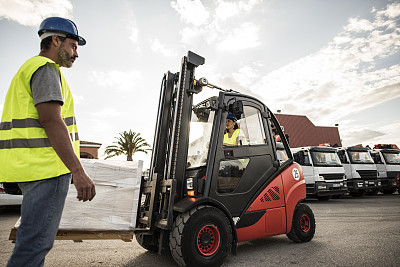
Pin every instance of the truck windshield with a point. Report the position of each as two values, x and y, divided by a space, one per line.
392 158
199 138
324 159
360 157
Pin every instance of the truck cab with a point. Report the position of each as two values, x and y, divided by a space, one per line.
360 170
323 171
387 162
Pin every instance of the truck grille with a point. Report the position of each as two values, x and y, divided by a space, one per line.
368 174
393 174
333 176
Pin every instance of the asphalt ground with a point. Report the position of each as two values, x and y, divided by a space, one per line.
350 232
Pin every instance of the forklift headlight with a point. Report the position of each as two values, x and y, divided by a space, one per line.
189 183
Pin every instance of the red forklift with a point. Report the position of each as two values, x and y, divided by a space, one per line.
202 197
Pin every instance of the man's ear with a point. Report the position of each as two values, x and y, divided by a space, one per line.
55 40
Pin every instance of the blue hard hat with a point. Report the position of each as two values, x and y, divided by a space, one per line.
231 116
57 24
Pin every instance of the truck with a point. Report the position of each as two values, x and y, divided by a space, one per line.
323 171
361 172
387 161
201 198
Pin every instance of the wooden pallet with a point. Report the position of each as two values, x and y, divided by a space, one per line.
80 235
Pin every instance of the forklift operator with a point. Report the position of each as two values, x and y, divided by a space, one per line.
233 136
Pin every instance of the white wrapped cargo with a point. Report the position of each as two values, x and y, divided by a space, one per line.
115 204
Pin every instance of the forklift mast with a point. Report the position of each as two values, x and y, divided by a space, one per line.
164 185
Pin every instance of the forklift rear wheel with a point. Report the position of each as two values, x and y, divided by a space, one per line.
303 224
201 237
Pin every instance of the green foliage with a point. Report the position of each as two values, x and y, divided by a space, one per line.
128 144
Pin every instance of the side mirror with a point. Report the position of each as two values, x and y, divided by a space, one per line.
236 108
299 157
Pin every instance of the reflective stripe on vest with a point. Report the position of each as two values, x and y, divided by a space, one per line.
30 143
25 150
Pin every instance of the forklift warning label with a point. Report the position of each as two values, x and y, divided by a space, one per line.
296 174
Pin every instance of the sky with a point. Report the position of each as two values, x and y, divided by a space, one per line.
334 61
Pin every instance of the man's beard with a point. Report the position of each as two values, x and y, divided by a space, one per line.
64 59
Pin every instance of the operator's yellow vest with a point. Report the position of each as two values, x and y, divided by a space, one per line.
25 150
232 140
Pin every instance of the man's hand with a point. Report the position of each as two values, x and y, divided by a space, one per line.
84 186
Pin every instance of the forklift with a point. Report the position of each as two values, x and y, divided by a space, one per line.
201 196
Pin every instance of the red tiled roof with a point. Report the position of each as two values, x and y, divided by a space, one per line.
302 132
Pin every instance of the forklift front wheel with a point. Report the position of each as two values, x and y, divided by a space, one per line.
303 224
201 237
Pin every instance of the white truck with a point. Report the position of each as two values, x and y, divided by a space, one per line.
387 162
323 172
360 169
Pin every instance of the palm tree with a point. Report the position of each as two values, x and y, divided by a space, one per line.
128 144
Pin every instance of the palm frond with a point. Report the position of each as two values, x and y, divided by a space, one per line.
128 143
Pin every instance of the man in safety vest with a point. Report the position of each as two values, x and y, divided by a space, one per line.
39 143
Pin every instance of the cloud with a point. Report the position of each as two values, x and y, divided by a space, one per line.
191 11
360 136
123 81
31 12
228 9
107 113
78 99
134 33
388 134
351 73
158 47
243 37
217 26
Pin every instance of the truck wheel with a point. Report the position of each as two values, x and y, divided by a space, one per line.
303 224
358 193
372 192
323 198
147 242
389 191
201 237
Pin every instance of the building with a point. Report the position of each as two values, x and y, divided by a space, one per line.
89 150
302 132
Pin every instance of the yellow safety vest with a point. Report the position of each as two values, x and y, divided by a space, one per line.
232 140
25 151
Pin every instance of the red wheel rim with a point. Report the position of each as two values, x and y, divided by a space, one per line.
208 240
305 223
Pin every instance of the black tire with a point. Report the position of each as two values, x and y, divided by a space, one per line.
389 191
303 224
358 193
323 198
147 242
201 237
372 192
